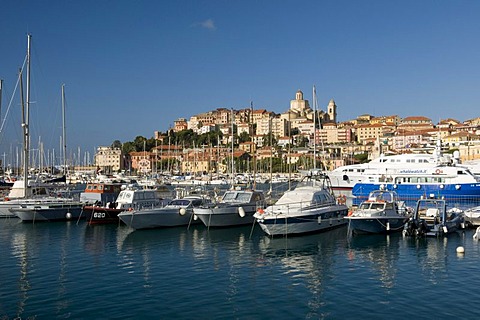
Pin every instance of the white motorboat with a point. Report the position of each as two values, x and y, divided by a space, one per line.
431 218
381 213
472 216
310 207
236 207
179 212
131 197
48 209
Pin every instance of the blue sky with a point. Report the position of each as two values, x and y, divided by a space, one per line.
133 67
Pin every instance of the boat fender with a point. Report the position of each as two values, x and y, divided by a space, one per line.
68 215
195 217
241 212
182 211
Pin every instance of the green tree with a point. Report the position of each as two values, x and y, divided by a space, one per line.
362 157
116 144
302 142
185 137
139 143
269 139
128 147
244 137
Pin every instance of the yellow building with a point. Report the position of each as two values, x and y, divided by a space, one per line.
366 132
109 159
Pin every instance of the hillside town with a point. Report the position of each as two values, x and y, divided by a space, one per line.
293 138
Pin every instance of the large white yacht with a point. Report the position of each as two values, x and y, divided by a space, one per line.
344 178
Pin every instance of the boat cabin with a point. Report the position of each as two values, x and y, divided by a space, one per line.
243 196
100 193
140 199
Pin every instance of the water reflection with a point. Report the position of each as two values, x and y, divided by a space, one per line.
51 270
28 244
432 255
177 255
307 261
19 250
65 242
380 252
99 239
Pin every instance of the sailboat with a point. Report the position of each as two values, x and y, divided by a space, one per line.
46 207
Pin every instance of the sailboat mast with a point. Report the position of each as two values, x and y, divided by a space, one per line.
233 137
64 139
271 152
1 89
253 148
314 127
26 144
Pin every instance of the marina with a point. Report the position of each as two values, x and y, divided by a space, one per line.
78 271
257 202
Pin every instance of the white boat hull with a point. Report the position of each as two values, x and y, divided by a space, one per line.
5 207
282 226
48 212
226 216
302 221
365 225
157 218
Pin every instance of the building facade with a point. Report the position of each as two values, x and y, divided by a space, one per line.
109 159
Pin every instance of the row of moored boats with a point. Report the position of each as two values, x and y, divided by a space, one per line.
309 207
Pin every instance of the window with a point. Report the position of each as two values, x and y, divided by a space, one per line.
243 197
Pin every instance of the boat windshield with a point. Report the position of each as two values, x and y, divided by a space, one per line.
372 206
229 196
237 196
243 197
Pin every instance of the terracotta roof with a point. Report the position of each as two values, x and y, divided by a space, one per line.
416 118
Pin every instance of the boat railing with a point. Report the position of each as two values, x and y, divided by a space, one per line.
463 202
300 206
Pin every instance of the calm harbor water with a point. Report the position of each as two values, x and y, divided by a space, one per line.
69 270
